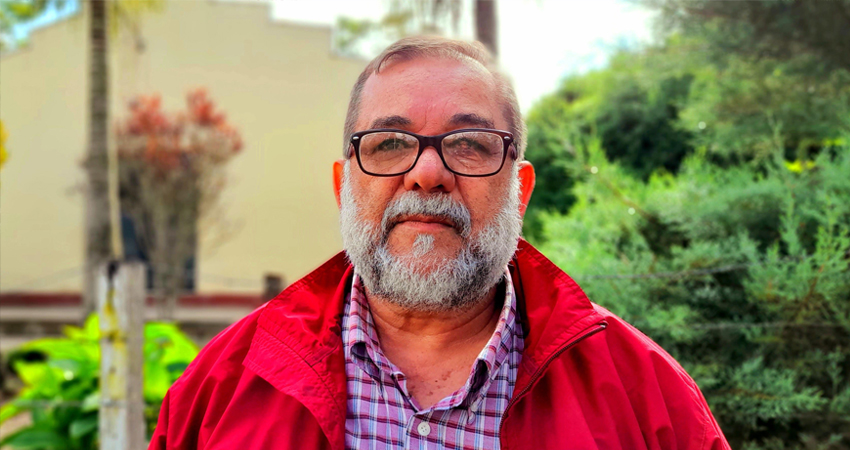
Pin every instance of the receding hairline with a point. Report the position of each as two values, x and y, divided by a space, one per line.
422 47
474 117
392 58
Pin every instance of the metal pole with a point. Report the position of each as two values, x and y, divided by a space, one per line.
120 304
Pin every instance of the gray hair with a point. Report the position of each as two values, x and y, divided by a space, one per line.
435 46
454 284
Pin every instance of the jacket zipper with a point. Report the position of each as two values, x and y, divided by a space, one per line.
590 331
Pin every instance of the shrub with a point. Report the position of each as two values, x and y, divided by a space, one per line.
741 273
61 384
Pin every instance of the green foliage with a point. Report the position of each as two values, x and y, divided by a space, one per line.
13 12
742 273
703 87
775 29
762 67
633 106
744 103
61 384
367 38
638 127
699 188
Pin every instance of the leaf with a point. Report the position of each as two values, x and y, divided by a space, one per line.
177 367
83 426
176 346
90 332
92 327
156 380
75 333
9 410
58 348
34 438
37 375
91 402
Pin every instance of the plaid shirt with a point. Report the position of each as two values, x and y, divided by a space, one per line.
383 415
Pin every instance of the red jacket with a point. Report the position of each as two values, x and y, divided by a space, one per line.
587 380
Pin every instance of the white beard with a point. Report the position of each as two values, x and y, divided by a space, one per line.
452 283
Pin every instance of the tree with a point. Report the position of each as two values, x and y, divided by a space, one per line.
776 29
762 68
651 107
487 25
741 273
698 188
632 106
14 12
100 232
406 18
101 210
171 175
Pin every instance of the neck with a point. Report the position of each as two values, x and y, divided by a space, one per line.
435 350
433 332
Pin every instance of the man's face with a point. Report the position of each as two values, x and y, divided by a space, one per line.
429 97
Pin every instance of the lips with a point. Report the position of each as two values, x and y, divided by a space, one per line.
423 219
426 213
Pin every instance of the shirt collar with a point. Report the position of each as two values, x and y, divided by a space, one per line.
362 345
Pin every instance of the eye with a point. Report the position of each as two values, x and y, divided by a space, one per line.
393 144
467 147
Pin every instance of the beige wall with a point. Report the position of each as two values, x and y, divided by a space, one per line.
280 84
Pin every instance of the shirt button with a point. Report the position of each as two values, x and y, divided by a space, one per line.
424 429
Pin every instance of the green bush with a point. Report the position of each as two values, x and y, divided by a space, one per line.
650 108
741 273
61 384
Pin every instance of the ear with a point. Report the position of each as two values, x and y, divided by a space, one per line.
526 181
339 168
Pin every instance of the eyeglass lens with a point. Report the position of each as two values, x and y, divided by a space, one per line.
468 153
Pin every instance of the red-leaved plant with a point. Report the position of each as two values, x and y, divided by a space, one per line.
171 176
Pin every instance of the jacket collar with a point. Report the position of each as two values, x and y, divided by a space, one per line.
297 346
552 307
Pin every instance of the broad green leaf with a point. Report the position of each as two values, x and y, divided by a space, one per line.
92 327
9 410
83 426
177 367
70 373
157 380
40 376
91 402
33 438
58 348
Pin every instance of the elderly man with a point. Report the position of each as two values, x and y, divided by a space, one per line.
438 327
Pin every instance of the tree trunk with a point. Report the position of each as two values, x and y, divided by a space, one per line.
486 25
96 162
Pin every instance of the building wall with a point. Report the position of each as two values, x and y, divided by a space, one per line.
280 85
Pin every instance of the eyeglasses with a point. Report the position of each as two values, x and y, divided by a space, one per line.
470 152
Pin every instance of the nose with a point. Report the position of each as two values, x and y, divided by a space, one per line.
429 174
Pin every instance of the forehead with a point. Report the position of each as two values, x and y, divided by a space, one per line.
428 95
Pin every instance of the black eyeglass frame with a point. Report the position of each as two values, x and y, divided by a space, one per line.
437 143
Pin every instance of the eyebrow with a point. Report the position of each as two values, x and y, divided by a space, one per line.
460 119
471 120
390 122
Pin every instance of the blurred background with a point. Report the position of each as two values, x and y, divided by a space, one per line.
693 176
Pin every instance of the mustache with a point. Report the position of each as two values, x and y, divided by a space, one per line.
440 206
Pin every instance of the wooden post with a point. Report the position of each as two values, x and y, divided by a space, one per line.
120 304
273 285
